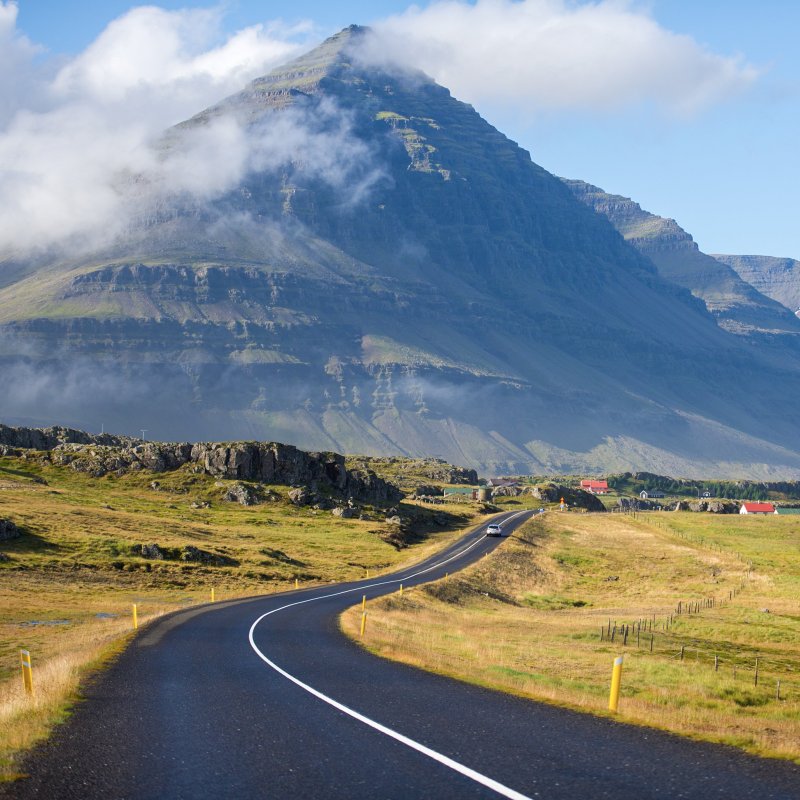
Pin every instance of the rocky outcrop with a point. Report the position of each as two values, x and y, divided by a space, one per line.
507 491
709 506
426 490
49 438
637 504
189 553
575 498
8 530
259 462
195 554
438 469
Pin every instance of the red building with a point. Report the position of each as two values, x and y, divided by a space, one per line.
595 487
757 508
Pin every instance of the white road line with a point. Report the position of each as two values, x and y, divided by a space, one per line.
490 783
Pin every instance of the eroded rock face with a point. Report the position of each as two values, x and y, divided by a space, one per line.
8 530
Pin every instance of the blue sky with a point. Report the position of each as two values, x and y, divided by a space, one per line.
724 164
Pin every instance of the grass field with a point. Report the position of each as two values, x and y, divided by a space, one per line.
68 584
529 619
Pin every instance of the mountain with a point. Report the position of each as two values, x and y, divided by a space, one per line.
778 278
386 273
739 305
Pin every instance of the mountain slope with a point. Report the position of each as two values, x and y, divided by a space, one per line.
778 278
387 274
739 306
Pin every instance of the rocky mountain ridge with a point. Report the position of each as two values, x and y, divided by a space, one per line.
778 278
738 304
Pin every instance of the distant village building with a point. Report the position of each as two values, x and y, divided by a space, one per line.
757 508
595 487
706 494
649 494
787 511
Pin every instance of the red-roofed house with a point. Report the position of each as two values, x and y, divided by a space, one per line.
757 508
595 487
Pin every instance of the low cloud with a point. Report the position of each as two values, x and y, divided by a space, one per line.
548 55
82 150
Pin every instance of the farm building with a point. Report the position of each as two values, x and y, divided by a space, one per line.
595 487
757 508
650 494
787 511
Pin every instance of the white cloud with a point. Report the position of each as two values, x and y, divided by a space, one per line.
552 54
151 50
68 131
17 70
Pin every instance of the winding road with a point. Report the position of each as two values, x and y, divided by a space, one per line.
265 698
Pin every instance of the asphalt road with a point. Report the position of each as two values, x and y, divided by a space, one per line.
264 698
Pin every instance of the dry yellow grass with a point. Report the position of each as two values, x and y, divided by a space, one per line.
528 620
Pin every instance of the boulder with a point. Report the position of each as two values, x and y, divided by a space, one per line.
344 512
301 496
152 551
8 530
243 494
195 554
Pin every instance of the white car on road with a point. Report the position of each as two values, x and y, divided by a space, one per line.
494 530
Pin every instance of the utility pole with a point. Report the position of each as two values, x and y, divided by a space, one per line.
144 431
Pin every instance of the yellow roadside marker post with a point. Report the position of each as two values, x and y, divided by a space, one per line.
296 584
401 590
363 603
135 617
27 671
363 622
212 594
616 679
